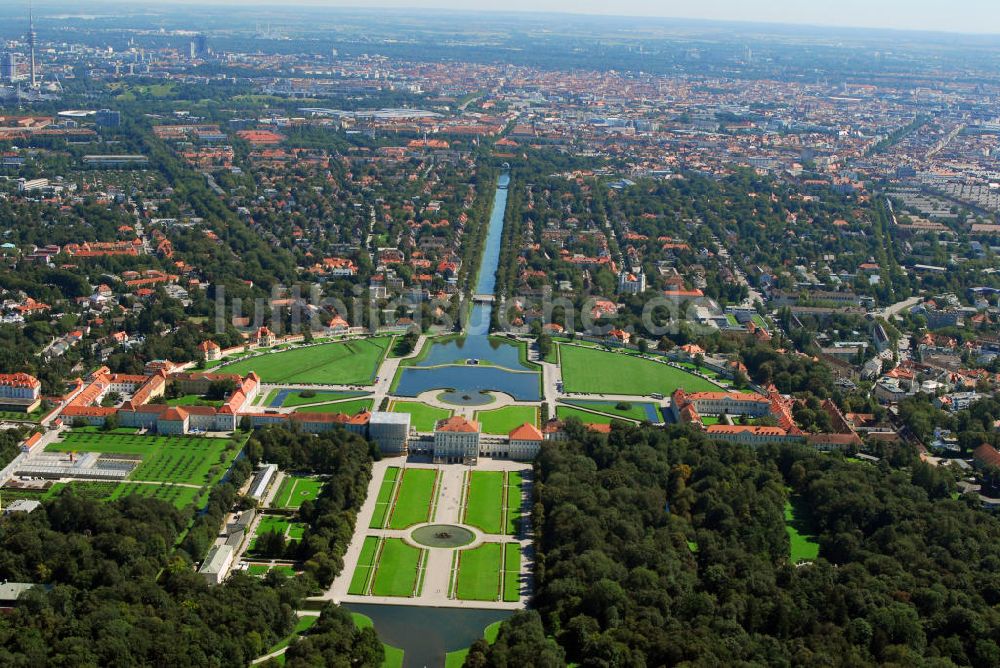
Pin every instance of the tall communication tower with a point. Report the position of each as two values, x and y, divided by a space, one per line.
31 47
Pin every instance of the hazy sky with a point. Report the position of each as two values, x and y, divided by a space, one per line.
979 16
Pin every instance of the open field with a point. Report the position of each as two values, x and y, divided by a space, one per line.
384 499
412 504
511 572
636 410
484 504
514 483
348 407
345 363
397 570
184 460
422 417
803 546
592 371
295 490
479 573
506 419
366 562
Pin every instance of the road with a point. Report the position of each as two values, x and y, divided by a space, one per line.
387 371
890 311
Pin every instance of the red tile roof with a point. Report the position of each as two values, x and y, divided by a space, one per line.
526 432
457 423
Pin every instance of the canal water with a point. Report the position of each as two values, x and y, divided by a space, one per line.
447 367
426 634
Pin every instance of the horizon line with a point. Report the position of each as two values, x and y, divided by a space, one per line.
389 7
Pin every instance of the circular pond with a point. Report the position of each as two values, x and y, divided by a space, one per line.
457 398
442 535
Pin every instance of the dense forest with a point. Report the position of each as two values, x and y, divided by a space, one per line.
347 460
661 548
113 589
113 593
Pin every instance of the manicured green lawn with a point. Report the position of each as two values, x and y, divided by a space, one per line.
709 420
295 490
564 412
593 371
514 482
456 659
384 498
297 399
175 459
479 573
422 417
345 363
505 420
484 506
803 546
194 400
636 411
393 655
260 570
362 572
397 570
347 407
268 524
512 572
414 498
